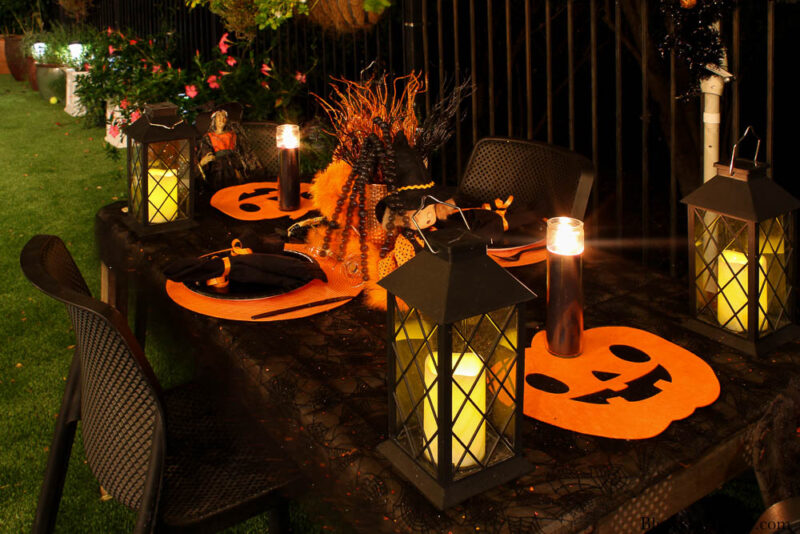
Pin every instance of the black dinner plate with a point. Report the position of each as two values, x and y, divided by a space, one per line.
244 291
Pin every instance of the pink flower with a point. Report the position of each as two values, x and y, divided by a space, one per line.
212 82
86 66
224 73
132 41
150 42
191 91
231 61
156 68
197 52
300 77
123 103
111 50
109 31
113 130
224 43
265 69
265 85
135 115
169 66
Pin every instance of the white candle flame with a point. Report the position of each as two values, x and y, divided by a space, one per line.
288 136
565 236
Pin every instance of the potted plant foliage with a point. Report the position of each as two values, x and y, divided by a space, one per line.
245 17
51 55
237 74
124 73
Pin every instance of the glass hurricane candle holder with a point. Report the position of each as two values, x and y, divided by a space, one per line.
288 140
564 286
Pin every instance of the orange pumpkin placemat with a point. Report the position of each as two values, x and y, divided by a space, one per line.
258 201
627 384
339 284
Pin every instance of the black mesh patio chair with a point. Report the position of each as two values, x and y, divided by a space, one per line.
555 180
167 454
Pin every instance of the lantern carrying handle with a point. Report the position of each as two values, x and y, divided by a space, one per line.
750 130
422 206
158 125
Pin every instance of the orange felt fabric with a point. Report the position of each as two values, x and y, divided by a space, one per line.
693 384
338 285
222 141
227 201
537 253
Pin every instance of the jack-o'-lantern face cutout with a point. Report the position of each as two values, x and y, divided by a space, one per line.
627 384
258 201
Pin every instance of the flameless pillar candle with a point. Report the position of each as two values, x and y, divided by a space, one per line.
470 420
162 195
564 286
732 274
288 140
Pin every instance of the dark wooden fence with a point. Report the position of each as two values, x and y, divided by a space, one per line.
563 71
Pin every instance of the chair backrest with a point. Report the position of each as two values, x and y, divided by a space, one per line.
121 411
555 180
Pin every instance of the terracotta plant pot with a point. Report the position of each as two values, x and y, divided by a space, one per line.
342 16
15 57
30 69
51 80
3 61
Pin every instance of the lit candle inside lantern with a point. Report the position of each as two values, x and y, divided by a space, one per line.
732 274
288 140
162 194
38 50
564 286
75 51
470 421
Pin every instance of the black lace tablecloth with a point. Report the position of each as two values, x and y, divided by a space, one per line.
318 384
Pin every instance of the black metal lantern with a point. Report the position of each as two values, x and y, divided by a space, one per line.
455 369
161 170
741 247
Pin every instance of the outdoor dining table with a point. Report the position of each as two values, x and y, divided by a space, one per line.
319 385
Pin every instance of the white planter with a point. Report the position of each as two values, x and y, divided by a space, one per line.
74 106
114 115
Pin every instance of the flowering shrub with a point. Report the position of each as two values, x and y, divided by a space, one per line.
237 74
130 71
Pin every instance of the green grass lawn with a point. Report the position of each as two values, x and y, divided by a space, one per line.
54 176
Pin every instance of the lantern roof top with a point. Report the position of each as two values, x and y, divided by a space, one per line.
160 122
743 191
458 281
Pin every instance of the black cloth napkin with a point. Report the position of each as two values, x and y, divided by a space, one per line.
524 225
275 270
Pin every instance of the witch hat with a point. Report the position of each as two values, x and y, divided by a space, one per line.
413 181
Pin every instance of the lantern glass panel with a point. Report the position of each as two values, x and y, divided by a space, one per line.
774 250
722 270
415 345
168 181
484 389
136 191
